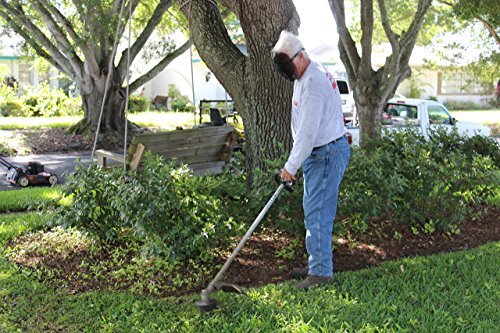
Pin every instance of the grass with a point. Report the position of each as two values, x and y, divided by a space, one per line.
158 120
23 199
18 123
455 292
13 225
162 120
165 120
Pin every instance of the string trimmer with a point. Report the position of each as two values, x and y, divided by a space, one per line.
207 304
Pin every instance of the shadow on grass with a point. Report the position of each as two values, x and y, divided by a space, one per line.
446 293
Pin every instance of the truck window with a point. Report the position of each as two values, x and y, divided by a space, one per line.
438 115
400 114
343 87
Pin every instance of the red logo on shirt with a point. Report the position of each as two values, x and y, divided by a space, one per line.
295 103
332 80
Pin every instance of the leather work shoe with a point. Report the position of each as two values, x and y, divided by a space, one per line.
313 280
299 273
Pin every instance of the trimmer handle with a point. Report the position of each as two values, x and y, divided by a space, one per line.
279 181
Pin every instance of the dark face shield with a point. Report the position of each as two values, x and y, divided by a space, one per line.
284 64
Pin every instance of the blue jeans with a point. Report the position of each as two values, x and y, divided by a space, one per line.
323 172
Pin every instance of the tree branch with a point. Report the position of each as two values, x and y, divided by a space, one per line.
159 67
214 44
409 38
126 17
33 43
155 19
338 10
91 61
391 36
63 62
366 33
59 35
490 29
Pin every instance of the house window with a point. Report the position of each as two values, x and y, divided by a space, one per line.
459 84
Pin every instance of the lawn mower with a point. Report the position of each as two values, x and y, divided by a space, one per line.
206 303
34 174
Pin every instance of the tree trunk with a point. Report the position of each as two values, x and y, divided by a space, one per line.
261 95
369 108
112 126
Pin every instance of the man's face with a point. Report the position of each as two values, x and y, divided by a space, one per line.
285 65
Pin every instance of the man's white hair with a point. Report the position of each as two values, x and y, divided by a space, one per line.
288 43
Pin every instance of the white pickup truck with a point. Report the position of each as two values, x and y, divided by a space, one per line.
400 114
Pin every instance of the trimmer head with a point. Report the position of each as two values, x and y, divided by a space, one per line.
206 304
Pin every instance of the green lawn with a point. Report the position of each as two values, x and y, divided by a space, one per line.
455 292
17 123
158 120
161 120
22 199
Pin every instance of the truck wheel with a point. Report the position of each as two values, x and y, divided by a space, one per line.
53 180
23 181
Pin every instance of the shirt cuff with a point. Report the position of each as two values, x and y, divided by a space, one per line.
291 168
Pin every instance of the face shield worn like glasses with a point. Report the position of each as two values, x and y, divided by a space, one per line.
284 64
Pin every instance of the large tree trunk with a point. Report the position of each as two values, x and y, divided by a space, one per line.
261 95
369 106
112 121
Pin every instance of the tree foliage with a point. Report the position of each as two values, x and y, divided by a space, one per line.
373 88
80 38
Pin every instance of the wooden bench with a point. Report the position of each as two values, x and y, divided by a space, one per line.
205 150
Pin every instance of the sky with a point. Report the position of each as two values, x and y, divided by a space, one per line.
317 25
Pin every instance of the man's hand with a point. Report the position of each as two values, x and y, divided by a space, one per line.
287 176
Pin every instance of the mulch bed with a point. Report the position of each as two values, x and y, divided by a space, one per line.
43 141
258 263
49 140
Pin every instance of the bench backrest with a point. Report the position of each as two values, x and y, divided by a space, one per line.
204 150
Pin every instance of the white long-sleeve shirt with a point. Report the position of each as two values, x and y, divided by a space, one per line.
317 117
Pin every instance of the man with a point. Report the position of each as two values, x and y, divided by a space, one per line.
319 146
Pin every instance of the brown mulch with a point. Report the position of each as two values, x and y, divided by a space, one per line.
256 264
48 141
259 263
43 141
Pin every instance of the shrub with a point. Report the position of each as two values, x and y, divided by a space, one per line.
138 104
182 104
431 184
178 102
464 105
71 106
175 213
402 177
43 101
10 105
13 109
40 101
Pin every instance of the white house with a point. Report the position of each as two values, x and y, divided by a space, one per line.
444 85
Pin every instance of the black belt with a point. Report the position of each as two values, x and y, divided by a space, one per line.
333 141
